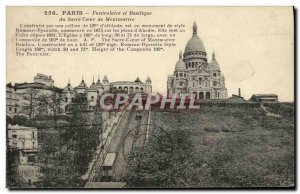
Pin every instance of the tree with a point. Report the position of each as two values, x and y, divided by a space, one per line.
31 97
167 160
43 105
54 101
19 120
74 150
8 120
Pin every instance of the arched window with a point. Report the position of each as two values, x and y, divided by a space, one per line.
15 110
92 97
207 95
201 95
130 90
195 95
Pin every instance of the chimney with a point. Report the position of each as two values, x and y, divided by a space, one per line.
239 92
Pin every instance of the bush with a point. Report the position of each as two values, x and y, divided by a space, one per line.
19 120
164 162
8 120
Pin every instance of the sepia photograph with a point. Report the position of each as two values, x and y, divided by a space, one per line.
150 97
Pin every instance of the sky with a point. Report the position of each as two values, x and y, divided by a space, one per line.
253 45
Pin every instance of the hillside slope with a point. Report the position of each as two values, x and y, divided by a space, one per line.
239 146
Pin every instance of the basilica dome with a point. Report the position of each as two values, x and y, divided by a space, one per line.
195 43
214 65
180 65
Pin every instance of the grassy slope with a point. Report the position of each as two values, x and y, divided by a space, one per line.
238 147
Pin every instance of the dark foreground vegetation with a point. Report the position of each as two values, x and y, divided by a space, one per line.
218 147
66 146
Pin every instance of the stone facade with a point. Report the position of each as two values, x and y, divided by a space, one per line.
17 96
98 88
194 76
22 138
12 101
267 98
44 79
43 86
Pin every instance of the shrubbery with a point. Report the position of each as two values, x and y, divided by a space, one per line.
19 120
231 146
165 161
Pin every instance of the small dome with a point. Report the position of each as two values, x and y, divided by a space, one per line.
105 79
137 80
93 86
148 79
99 84
82 84
180 65
68 88
214 65
195 43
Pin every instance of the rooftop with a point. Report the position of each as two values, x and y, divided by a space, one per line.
264 95
19 127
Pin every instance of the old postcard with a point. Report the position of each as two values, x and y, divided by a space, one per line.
150 97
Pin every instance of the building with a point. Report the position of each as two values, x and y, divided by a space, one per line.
264 98
23 145
136 86
96 89
237 98
44 79
194 76
22 138
18 97
12 101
